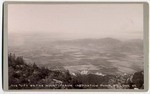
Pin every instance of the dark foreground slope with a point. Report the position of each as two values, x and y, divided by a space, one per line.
31 76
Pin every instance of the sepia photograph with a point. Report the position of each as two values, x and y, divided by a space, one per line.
75 46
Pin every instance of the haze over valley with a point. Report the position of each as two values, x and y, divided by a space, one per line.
99 56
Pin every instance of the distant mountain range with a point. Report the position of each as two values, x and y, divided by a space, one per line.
107 44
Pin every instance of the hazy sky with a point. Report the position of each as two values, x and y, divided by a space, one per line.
76 20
